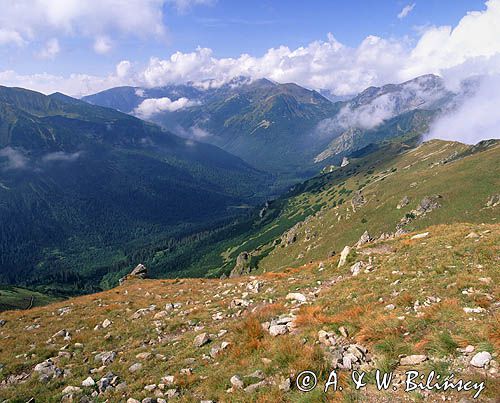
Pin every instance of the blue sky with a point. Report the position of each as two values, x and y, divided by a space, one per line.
43 40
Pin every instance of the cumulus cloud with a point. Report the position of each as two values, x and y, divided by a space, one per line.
152 106
475 119
50 50
61 156
14 159
323 64
24 20
102 45
406 10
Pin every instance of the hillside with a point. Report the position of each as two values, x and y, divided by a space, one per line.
425 301
83 187
316 219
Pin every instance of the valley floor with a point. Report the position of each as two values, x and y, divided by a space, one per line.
427 302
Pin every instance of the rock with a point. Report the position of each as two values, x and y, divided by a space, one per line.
285 384
469 349
236 382
358 200
106 357
345 162
403 202
364 239
106 323
254 286
140 272
474 310
135 367
2 322
130 400
420 236
343 331
343 255
356 268
276 330
472 235
168 380
252 388
390 307
144 356
88 382
201 340
296 296
242 265
480 359
493 201
71 389
413 359
172 393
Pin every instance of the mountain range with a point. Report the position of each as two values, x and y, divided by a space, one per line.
284 128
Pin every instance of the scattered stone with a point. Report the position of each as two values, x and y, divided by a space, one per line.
135 367
481 359
285 384
71 389
201 340
343 331
364 239
390 307
343 255
413 359
296 296
106 357
403 202
474 310
420 236
356 268
472 235
236 382
276 330
106 323
144 356
2 322
254 387
88 382
493 201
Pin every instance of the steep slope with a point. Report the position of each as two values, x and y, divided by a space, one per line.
426 304
82 185
317 218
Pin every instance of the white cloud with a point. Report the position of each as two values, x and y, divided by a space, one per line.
152 106
475 119
184 5
50 50
10 37
24 20
15 159
471 47
61 156
102 45
406 10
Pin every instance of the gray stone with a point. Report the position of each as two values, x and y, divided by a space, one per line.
480 359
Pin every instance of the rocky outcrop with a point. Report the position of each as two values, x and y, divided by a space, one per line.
242 265
403 202
493 201
140 272
426 205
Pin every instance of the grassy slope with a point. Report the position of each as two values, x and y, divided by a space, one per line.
21 298
465 185
441 265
